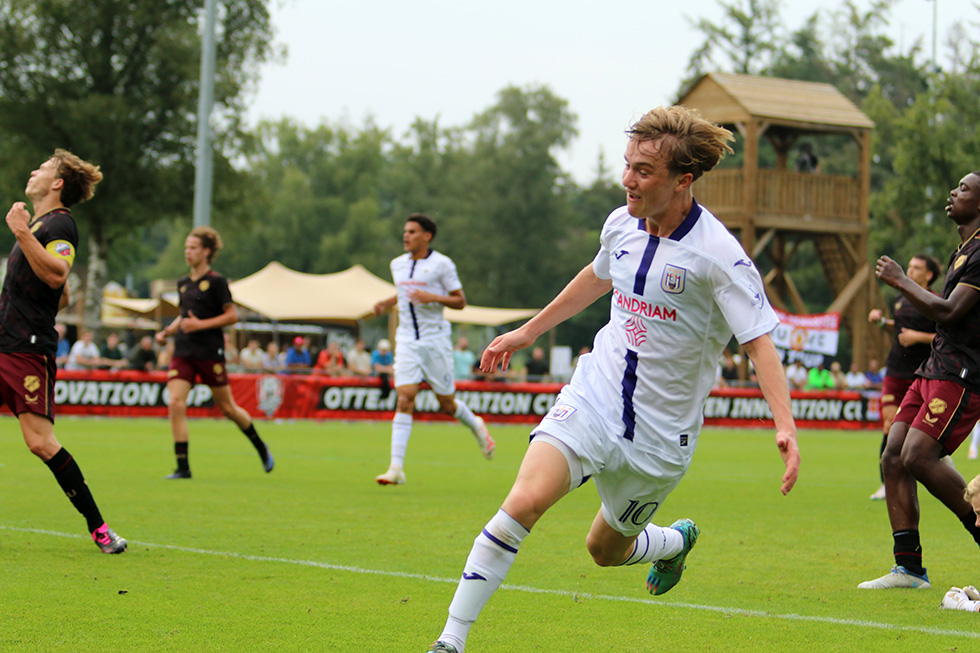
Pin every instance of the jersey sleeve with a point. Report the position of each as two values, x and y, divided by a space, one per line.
601 264
450 278
222 292
971 271
59 236
746 309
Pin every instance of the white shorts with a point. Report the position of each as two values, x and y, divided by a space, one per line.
430 359
632 484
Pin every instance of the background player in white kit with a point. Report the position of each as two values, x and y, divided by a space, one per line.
681 287
426 281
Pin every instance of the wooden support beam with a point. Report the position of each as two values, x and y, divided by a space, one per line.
763 242
853 287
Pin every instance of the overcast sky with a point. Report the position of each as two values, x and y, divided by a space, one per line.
612 60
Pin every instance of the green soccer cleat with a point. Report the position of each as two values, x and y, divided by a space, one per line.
664 574
441 647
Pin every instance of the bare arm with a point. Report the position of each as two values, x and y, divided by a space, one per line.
934 307
65 298
385 304
456 299
909 337
50 269
580 292
772 381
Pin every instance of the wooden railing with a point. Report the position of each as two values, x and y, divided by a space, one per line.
781 193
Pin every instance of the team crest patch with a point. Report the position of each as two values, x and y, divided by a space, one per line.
31 383
937 406
219 368
673 279
205 285
36 226
171 374
959 262
561 412
268 394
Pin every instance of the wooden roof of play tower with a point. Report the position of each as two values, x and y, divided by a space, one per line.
775 209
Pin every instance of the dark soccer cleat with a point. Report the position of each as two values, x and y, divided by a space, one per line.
268 462
107 540
179 473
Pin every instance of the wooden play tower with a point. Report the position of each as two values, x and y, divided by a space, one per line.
775 209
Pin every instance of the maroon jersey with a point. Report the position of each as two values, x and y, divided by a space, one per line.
956 349
28 305
902 361
205 298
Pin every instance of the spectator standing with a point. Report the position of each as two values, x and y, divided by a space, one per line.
874 375
84 354
818 378
143 357
359 360
537 367
111 353
797 376
64 347
298 357
251 357
273 361
383 365
463 360
855 378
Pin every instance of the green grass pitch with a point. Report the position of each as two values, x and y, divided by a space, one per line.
316 557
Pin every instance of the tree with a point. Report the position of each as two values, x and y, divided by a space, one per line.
117 83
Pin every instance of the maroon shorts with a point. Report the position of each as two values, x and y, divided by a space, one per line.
893 390
27 383
944 410
210 372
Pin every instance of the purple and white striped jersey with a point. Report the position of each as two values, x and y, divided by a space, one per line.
436 273
675 304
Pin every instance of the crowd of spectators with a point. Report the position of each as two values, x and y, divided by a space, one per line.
799 377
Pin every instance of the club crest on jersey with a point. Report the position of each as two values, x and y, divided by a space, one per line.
205 285
959 262
673 279
560 412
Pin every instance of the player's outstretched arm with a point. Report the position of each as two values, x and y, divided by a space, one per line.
772 381
580 292
51 269
938 309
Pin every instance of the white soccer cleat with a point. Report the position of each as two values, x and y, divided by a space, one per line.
972 592
394 476
953 599
487 446
879 494
899 577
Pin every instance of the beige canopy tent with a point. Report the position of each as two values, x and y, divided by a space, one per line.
285 295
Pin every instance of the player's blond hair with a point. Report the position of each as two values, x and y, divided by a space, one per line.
80 177
972 489
210 240
689 142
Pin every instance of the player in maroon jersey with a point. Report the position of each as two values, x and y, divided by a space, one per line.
205 307
34 291
943 402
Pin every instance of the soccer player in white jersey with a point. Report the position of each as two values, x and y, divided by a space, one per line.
681 287
427 282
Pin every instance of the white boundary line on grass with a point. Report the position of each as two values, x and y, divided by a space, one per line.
861 623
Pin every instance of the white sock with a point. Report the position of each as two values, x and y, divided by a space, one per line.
655 543
491 557
466 416
401 431
975 436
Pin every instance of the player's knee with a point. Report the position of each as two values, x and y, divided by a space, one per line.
601 555
177 405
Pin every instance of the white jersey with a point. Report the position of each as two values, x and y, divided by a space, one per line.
675 304
436 273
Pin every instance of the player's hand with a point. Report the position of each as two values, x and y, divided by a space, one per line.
190 323
501 349
889 271
18 218
790 451
907 337
421 296
875 315
160 337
